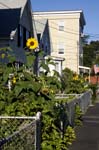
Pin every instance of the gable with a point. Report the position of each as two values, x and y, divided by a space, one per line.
26 18
9 21
5 4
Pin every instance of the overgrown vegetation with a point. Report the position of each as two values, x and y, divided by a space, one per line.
73 83
78 116
24 93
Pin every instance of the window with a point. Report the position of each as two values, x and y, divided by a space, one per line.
24 37
61 26
20 36
28 35
61 48
39 37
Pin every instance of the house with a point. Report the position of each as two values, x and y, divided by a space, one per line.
16 26
60 35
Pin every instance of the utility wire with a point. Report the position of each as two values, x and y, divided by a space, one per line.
56 28
68 30
63 31
73 31
62 41
61 35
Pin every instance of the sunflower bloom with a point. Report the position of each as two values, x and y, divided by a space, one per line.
14 80
32 43
75 77
2 55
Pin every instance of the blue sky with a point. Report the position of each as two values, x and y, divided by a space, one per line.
89 7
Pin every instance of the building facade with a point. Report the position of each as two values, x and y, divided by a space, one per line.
59 35
16 26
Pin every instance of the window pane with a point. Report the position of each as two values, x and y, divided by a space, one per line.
61 28
61 51
61 48
61 25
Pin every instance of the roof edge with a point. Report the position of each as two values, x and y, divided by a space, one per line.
58 12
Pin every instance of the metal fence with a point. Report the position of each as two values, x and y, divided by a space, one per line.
84 100
20 133
24 133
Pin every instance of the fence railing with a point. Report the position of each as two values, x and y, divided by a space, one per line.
84 100
58 96
24 133
20 133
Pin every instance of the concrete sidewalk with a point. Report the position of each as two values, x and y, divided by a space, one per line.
88 134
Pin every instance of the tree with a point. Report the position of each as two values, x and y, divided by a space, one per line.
85 39
89 53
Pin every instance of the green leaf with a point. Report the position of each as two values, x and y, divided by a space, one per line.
45 67
30 59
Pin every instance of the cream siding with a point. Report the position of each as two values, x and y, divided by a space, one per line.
70 36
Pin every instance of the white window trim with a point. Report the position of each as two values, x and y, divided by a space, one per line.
61 25
61 48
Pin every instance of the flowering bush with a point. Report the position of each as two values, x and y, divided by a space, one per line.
73 83
24 93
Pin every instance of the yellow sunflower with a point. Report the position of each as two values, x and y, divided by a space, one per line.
32 43
75 77
2 55
14 80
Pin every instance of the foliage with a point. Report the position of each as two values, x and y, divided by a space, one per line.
73 83
27 94
58 142
89 53
24 93
67 75
78 116
70 135
93 87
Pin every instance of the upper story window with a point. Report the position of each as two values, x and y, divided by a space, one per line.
61 26
61 48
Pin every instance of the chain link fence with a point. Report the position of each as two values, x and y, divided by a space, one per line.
20 133
83 100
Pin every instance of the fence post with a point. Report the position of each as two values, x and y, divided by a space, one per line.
38 131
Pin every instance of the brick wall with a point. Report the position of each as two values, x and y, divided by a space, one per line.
94 79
